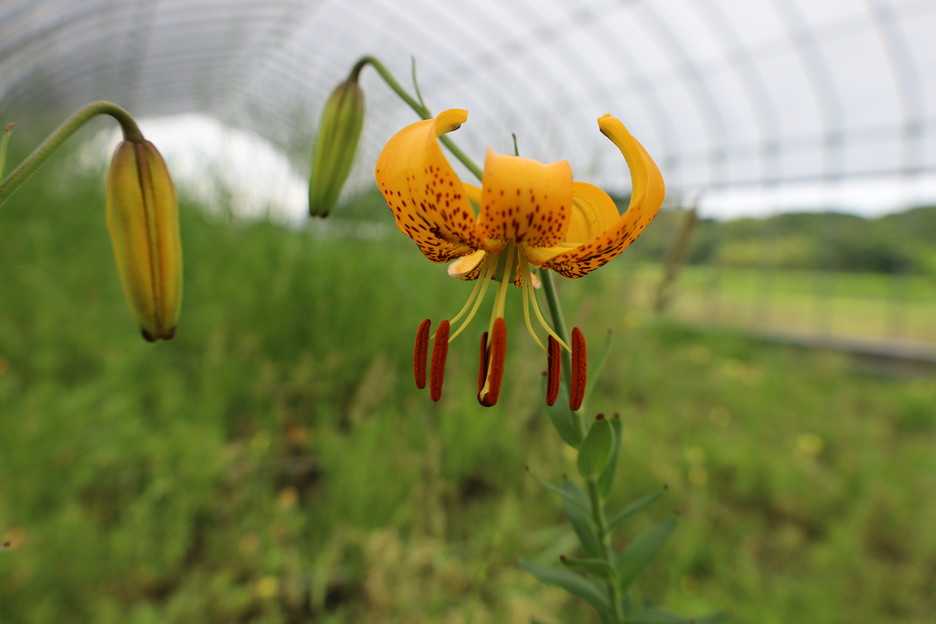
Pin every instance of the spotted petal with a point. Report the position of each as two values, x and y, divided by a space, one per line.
524 201
647 193
427 198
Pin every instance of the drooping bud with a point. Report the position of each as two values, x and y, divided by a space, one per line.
143 221
335 145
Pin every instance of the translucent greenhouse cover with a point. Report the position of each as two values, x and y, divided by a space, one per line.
726 94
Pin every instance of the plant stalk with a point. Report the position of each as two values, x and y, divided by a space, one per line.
37 158
414 104
601 523
555 311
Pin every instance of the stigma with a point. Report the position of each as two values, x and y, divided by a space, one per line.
501 269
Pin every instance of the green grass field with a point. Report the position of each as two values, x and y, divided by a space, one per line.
276 464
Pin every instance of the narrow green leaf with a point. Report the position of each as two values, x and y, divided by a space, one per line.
589 565
571 582
641 551
606 480
564 420
618 519
655 616
581 520
569 492
596 449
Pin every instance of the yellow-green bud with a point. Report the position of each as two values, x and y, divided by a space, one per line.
335 146
143 221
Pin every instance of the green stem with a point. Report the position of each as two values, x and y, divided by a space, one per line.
555 311
131 132
413 103
601 523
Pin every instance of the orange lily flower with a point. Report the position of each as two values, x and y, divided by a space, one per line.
526 214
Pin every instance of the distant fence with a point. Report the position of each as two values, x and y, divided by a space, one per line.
898 310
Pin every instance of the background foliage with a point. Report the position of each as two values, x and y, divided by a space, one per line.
275 464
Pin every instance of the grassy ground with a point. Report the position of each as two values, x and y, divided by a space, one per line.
866 306
275 464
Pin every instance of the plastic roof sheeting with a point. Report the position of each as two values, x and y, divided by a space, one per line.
724 93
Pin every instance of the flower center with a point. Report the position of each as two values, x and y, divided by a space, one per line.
509 265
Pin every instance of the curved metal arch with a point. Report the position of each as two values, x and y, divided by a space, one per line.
906 80
492 58
589 81
82 32
758 94
821 79
706 102
501 101
284 30
655 106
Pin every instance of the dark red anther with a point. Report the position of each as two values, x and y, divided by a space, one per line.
483 365
420 351
553 359
495 372
439 352
579 376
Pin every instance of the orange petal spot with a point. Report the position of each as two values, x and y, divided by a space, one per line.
439 353
420 351
526 201
553 359
579 375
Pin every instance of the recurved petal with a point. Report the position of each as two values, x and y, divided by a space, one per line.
647 193
525 201
593 212
427 199
467 267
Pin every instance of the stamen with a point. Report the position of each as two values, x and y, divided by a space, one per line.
506 277
484 280
483 362
579 375
439 353
549 330
471 296
526 286
495 369
420 350
553 359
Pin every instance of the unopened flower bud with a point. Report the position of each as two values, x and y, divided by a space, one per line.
335 146
143 221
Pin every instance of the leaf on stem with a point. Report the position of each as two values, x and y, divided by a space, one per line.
618 519
641 551
573 583
606 480
564 420
596 448
588 565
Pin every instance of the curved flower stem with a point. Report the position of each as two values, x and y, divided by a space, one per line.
555 311
71 125
413 103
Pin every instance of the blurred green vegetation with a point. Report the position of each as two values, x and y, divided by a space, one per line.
829 241
276 464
